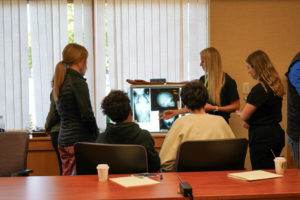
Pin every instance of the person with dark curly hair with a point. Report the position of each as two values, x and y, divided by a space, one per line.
199 125
116 105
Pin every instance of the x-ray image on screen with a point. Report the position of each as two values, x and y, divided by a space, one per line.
141 104
164 98
166 124
147 101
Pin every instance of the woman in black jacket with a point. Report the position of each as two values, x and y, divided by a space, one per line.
72 98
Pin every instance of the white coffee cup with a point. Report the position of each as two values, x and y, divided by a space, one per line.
102 172
280 165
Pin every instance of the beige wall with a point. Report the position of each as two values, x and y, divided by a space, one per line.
239 27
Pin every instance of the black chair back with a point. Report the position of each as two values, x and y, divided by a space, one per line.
121 158
211 155
13 153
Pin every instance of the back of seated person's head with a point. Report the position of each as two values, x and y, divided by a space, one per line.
116 105
194 95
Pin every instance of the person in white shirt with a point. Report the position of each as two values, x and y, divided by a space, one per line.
199 125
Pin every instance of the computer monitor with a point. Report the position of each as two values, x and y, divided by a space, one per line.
147 101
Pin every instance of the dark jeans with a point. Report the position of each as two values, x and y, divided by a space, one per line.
262 157
54 141
262 141
295 149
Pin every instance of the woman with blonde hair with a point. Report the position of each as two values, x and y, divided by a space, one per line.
222 89
72 98
262 112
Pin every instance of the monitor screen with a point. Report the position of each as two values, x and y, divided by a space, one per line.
148 101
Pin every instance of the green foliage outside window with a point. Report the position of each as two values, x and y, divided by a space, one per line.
70 23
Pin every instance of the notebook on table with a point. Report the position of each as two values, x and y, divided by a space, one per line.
134 181
254 175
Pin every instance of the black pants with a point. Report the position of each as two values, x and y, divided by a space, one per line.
54 141
262 141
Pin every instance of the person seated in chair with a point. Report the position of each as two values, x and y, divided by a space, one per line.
116 105
196 126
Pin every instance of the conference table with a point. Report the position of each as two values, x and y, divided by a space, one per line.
206 185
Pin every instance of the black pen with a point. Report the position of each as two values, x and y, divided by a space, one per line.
161 176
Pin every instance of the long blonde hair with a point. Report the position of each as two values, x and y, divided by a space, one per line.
215 77
266 72
72 54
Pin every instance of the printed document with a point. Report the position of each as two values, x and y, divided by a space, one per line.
254 175
133 181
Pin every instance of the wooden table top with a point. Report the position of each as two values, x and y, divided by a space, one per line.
206 185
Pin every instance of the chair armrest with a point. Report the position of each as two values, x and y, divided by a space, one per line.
24 172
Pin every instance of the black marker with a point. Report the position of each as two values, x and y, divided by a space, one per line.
161 176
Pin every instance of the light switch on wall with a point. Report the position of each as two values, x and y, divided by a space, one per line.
245 87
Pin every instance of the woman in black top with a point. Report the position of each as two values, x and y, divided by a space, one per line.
222 90
262 112
52 127
73 104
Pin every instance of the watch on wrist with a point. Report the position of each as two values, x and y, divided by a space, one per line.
216 108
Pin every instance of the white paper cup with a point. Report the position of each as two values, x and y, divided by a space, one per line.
280 165
102 172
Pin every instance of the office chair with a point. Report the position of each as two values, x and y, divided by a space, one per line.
13 154
121 158
211 155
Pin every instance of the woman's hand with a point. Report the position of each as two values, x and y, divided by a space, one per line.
238 113
246 125
47 132
168 114
209 107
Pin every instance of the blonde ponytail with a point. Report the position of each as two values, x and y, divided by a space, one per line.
58 79
72 54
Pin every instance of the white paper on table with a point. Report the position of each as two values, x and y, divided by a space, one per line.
254 175
132 181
